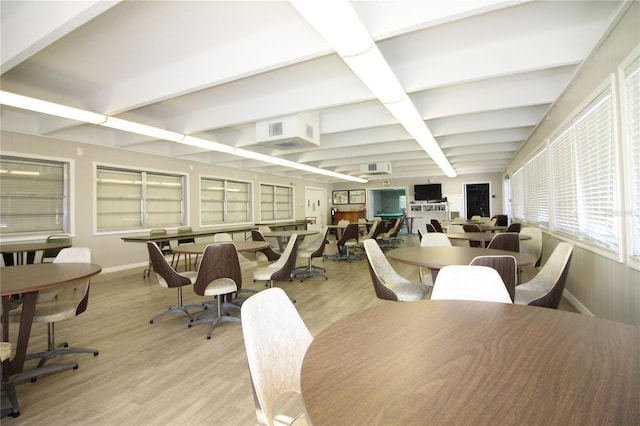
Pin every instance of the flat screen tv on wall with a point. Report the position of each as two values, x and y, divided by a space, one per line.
428 192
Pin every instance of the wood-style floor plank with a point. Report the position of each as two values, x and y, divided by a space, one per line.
166 373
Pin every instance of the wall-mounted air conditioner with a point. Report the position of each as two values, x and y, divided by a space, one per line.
376 168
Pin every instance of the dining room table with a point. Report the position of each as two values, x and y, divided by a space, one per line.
482 237
28 281
25 251
436 258
472 363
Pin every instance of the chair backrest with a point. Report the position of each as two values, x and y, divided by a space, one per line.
78 292
218 261
396 228
287 262
436 224
534 245
349 233
459 219
435 239
431 228
343 222
56 238
471 227
372 231
514 227
509 241
468 282
381 271
505 265
457 229
166 275
268 252
319 243
185 230
553 277
275 340
501 220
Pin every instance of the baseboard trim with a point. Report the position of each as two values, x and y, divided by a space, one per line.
577 304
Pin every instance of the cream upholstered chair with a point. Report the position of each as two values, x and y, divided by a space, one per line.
9 387
312 247
276 340
437 225
534 245
472 227
164 246
432 239
457 229
468 282
346 244
50 254
168 278
267 254
219 275
282 268
545 289
59 305
245 263
506 267
273 241
175 260
387 283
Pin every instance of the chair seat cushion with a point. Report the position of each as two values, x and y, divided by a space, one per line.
264 274
220 286
5 350
408 292
49 312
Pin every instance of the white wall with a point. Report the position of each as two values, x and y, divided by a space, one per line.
109 250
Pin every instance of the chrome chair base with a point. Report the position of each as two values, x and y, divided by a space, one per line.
207 316
177 309
62 349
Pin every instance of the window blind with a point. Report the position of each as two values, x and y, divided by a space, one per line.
276 202
33 197
632 129
536 190
584 176
224 201
517 200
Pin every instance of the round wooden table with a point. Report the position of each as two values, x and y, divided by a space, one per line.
482 237
476 363
29 248
284 235
198 248
28 280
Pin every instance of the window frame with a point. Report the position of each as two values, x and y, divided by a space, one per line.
68 198
225 204
144 198
274 210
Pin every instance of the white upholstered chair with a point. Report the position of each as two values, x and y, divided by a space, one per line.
432 239
387 283
468 282
310 248
276 340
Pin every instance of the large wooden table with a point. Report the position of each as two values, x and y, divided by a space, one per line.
198 248
435 258
172 236
284 235
482 237
472 363
28 280
28 248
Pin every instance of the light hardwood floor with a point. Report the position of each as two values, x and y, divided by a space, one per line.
165 373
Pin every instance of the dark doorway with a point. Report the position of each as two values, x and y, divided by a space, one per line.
477 199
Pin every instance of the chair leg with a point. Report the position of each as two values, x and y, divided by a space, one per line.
53 350
9 389
218 319
179 308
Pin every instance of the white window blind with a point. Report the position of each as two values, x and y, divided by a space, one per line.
133 199
584 176
276 202
632 109
224 201
517 191
33 197
536 190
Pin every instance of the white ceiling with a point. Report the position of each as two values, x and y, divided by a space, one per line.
481 73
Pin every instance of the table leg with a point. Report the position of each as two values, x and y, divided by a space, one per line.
26 320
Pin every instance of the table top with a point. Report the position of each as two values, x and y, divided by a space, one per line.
43 276
437 257
464 362
479 236
173 235
290 232
31 246
198 248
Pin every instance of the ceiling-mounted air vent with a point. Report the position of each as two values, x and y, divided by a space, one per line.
290 132
376 168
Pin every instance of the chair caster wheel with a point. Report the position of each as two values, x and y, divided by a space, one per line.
208 337
151 322
95 353
189 325
34 379
75 368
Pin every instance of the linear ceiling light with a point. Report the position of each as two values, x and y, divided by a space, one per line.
37 105
339 25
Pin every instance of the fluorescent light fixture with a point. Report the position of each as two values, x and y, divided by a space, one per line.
142 129
44 107
208 145
337 23
375 73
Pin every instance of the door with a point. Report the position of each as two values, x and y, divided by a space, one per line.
316 204
477 199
